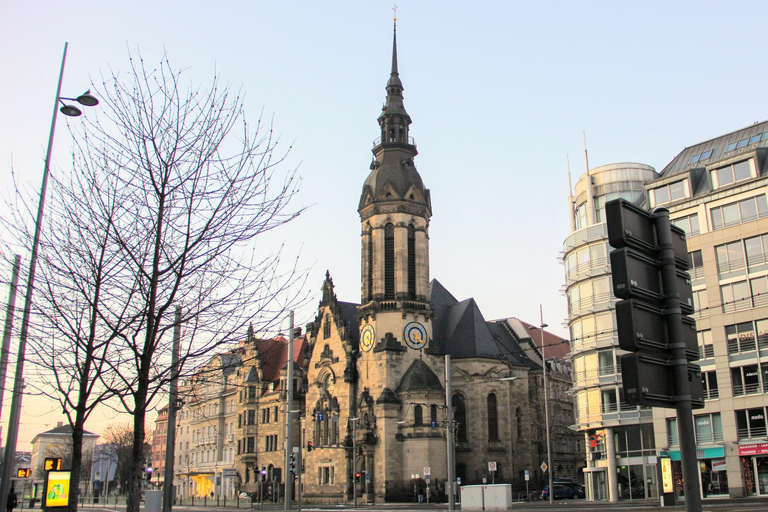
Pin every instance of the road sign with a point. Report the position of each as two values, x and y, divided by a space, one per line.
544 467
491 466
427 471
320 416
527 475
648 381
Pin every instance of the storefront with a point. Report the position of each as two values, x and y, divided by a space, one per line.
754 468
713 477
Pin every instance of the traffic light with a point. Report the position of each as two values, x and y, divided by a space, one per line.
651 324
293 464
148 473
357 476
263 473
309 446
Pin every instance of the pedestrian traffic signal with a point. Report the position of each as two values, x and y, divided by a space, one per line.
648 271
263 473
309 446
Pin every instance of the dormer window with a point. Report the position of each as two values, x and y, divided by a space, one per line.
732 173
670 192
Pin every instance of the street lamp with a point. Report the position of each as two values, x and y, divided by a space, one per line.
354 458
13 421
546 404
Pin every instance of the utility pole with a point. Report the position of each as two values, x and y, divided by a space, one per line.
170 438
288 425
8 325
451 482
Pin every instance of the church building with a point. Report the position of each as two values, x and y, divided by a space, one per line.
375 402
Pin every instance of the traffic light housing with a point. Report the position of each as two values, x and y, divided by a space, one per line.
309 446
357 476
650 323
293 464
263 473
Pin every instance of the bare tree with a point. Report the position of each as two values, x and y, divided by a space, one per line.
195 186
170 191
120 439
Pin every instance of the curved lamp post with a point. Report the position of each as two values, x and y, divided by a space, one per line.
13 421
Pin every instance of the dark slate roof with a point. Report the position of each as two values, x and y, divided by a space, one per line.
748 139
349 313
459 329
419 377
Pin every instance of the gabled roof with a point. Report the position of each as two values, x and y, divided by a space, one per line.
273 354
419 377
62 430
459 329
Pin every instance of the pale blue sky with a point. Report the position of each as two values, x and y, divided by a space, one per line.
499 92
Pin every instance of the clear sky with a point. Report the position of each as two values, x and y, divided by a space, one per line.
500 94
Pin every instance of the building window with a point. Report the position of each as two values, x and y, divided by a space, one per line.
709 428
689 224
389 262
433 415
418 418
740 337
697 265
709 382
730 257
251 391
700 303
670 192
581 216
327 327
460 416
746 380
757 252
673 439
759 290
735 296
608 401
605 363
493 418
750 423
411 262
519 423
250 447
723 176
251 417
370 265
742 211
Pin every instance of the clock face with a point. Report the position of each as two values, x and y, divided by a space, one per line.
367 337
415 335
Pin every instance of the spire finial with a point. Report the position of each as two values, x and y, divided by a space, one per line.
394 9
394 42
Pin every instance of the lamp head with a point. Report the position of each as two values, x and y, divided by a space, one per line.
87 99
70 110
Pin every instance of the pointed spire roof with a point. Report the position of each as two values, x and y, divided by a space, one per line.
393 176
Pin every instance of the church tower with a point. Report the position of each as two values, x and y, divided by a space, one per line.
396 389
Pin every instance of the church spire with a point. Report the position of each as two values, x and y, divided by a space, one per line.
394 120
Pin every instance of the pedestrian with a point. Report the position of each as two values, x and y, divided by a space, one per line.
11 503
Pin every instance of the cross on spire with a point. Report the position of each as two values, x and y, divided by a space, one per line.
394 9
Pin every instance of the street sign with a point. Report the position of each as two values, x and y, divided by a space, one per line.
648 381
642 327
427 470
527 475
491 466
544 467
320 416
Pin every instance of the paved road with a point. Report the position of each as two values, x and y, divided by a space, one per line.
724 505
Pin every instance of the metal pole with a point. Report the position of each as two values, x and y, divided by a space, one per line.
449 436
679 361
546 406
8 325
14 419
288 423
354 461
170 439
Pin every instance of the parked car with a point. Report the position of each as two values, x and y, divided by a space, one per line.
563 490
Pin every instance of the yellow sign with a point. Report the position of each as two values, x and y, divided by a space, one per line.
666 475
57 489
52 464
23 473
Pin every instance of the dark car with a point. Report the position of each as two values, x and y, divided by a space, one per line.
563 490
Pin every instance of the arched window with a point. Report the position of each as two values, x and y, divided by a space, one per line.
460 417
370 265
493 418
389 261
433 415
327 326
411 262
418 417
519 421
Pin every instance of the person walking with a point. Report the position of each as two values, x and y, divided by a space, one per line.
12 501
